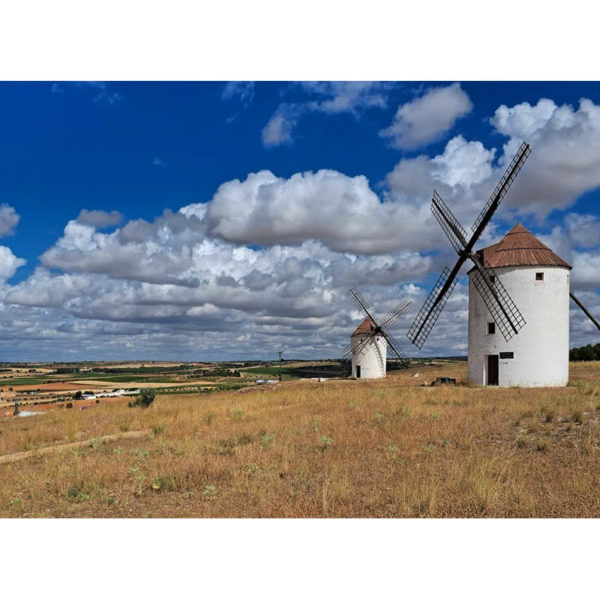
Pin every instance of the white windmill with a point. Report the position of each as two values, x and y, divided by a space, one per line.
519 270
538 281
370 340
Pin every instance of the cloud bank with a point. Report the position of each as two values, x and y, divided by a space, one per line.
265 263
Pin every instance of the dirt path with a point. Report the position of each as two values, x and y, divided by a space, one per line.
9 458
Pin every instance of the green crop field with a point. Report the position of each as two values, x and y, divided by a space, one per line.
23 381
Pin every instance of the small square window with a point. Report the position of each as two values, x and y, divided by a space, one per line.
492 327
539 277
493 278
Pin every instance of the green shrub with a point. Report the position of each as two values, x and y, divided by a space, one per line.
266 439
145 399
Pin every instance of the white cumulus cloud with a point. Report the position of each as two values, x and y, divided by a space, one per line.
565 158
9 263
428 117
341 212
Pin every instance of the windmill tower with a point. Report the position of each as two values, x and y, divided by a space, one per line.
369 351
370 340
518 267
538 281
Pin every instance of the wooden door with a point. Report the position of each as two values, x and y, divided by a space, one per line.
492 370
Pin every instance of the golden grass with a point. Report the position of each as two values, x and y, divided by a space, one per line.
333 449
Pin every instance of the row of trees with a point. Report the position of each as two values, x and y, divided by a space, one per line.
588 352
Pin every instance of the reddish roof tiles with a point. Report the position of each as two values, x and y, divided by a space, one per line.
520 248
366 327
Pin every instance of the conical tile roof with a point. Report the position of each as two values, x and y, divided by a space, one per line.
365 328
520 248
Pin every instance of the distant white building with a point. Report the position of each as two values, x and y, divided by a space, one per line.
113 394
368 359
538 281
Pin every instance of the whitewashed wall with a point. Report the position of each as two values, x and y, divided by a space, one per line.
541 348
371 358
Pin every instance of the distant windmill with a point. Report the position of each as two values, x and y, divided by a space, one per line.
371 339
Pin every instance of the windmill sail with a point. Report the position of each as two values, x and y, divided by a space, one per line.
585 310
357 349
395 314
449 223
393 344
501 306
431 309
495 296
503 186
361 303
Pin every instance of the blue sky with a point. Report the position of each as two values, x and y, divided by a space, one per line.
280 196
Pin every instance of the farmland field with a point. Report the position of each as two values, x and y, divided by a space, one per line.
301 448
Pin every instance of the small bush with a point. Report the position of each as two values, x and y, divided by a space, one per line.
145 399
266 439
158 429
577 416
326 442
69 405
76 495
161 483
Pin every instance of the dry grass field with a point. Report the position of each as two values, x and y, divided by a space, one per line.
337 448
